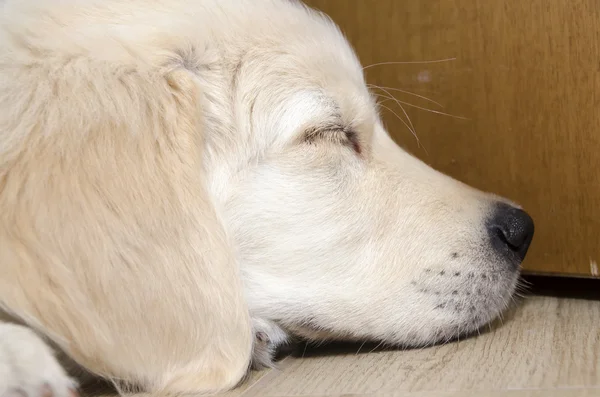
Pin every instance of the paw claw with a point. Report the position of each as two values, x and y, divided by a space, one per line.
268 337
262 337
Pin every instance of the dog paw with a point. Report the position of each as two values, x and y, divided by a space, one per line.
28 367
268 336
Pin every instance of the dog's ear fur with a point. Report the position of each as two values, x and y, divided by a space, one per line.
110 245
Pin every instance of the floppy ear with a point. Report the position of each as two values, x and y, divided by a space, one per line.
111 246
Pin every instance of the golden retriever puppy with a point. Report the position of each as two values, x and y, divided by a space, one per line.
184 182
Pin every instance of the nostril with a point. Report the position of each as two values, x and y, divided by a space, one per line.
511 230
514 229
502 235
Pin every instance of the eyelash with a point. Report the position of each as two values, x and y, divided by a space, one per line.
350 136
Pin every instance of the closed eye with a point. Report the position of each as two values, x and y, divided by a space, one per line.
337 134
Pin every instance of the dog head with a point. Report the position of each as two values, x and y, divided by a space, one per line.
339 232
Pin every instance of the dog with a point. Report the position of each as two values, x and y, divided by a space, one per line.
186 184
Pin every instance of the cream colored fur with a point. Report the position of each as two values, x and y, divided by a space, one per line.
177 176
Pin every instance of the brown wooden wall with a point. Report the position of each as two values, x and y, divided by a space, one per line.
527 78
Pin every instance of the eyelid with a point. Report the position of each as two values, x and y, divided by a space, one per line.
322 132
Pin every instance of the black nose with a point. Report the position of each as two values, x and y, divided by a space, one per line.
511 231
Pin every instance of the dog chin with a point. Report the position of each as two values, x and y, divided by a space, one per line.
452 317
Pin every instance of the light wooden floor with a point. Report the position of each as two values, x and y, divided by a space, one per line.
547 347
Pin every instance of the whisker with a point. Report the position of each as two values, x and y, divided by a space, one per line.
376 347
304 351
411 124
399 104
407 126
387 98
360 347
391 98
522 281
501 315
434 111
407 92
408 62
422 108
522 289
520 292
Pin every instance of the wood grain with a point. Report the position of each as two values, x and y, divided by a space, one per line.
507 393
511 393
527 77
547 347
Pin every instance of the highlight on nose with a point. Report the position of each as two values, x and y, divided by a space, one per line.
511 231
